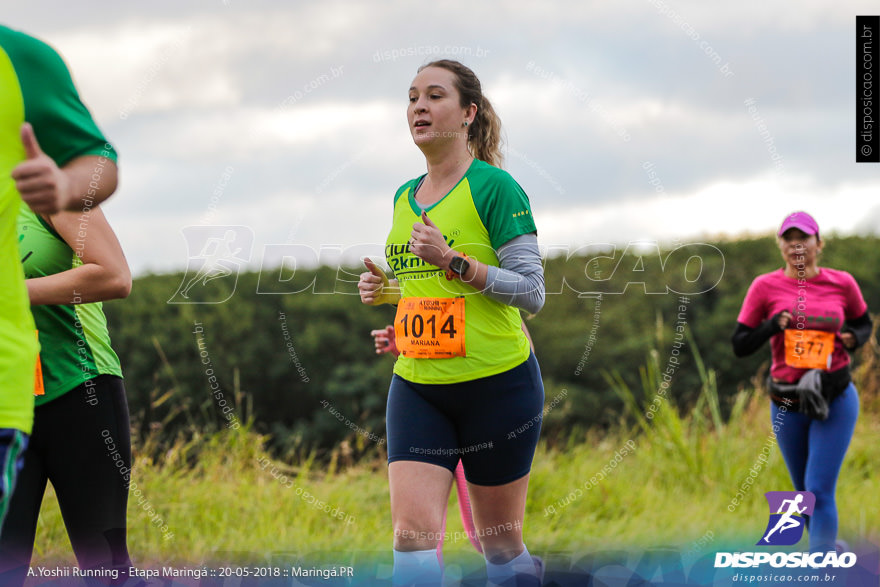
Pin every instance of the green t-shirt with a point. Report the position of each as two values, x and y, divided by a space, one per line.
486 209
74 341
35 87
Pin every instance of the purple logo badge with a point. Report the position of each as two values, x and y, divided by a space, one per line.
787 511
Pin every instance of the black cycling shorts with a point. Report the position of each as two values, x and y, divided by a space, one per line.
491 424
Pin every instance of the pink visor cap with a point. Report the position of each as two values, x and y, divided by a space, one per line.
800 220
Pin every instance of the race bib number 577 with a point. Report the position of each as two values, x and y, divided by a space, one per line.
808 349
430 328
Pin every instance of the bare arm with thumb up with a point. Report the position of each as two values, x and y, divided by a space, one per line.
83 182
375 287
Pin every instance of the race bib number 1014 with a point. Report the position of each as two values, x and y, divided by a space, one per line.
430 328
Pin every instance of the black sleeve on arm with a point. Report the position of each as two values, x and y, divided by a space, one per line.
747 340
860 328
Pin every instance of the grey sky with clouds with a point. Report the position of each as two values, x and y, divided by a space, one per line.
302 106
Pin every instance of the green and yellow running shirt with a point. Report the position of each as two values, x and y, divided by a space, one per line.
74 341
18 343
486 209
35 86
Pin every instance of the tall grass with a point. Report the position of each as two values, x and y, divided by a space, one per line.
222 494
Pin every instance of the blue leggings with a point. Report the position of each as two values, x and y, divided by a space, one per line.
813 451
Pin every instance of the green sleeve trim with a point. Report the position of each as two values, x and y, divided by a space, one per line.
47 226
501 203
62 123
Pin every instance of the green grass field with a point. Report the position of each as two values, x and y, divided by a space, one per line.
668 483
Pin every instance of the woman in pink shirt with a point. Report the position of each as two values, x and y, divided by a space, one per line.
813 316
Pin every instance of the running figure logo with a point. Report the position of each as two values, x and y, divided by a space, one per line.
221 253
786 525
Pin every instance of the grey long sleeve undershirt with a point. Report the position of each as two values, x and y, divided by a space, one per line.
519 282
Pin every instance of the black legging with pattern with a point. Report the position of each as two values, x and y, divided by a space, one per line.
81 442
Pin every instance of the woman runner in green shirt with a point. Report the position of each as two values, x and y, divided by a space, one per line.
463 248
80 439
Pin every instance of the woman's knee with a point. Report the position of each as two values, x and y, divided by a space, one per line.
824 495
411 537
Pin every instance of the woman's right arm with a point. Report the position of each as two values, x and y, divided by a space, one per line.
375 288
748 340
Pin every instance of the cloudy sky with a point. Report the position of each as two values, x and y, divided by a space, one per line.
634 120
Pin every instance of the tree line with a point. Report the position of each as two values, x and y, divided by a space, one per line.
299 366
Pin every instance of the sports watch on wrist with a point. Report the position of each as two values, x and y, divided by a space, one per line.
458 266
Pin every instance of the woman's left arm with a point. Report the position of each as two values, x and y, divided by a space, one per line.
856 332
104 273
427 243
519 282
